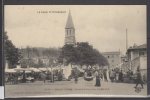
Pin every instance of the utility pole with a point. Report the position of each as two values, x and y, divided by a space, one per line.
28 50
126 39
127 47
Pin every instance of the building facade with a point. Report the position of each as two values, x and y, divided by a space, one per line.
137 57
113 58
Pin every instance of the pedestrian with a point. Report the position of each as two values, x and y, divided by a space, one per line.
139 78
121 76
16 78
52 76
105 75
112 75
76 75
115 75
101 74
60 75
10 78
24 77
43 76
97 74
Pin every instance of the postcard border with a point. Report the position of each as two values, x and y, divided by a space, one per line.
77 2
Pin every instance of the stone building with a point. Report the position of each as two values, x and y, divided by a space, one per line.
137 57
70 31
113 58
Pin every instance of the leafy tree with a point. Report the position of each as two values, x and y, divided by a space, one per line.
82 54
69 54
12 54
86 54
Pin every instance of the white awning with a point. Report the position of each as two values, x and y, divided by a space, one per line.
10 71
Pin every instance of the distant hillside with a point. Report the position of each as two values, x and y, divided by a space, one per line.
39 52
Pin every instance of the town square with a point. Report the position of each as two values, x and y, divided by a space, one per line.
89 51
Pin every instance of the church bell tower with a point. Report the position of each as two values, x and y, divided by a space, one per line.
70 31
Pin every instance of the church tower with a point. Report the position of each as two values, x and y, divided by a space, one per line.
70 31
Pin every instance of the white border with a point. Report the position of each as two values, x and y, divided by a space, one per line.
1 92
84 95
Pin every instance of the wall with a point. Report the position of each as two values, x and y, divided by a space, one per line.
134 64
143 62
113 59
143 66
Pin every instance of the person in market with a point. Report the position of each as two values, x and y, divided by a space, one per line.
121 76
43 76
112 75
24 77
105 75
97 75
76 75
60 75
139 78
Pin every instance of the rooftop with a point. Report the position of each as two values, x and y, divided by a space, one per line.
111 53
135 47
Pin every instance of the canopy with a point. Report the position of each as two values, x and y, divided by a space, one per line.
10 71
43 69
35 69
27 70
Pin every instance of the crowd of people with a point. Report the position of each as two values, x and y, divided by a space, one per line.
114 75
31 76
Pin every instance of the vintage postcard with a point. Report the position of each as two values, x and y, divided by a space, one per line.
75 51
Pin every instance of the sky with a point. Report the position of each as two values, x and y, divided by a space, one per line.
103 26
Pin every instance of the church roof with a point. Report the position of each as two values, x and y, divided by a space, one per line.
69 23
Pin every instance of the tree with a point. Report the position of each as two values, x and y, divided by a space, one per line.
82 54
69 54
11 53
101 60
87 55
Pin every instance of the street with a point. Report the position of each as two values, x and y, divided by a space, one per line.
39 88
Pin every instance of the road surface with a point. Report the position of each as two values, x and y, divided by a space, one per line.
83 87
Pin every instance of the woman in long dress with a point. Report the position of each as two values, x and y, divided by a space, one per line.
97 79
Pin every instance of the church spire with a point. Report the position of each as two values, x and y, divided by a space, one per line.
69 23
70 31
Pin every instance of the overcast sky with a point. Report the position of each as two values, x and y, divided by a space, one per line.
102 26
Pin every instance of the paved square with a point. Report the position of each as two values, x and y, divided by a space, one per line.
83 87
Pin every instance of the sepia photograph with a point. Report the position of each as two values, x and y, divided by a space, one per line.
75 51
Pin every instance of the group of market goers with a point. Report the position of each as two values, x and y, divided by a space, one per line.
118 76
23 76
57 75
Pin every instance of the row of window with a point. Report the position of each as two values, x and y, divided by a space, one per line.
112 56
141 53
68 32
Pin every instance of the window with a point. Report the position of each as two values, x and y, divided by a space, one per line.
112 60
70 31
141 53
67 32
